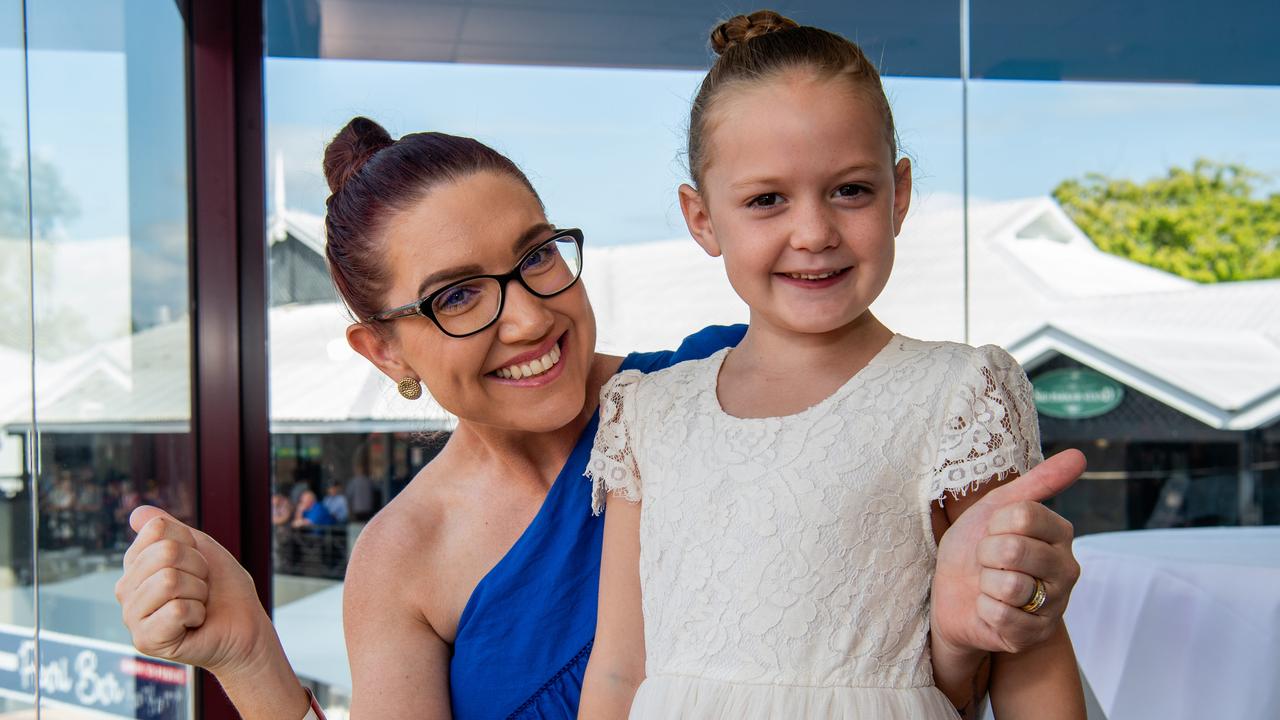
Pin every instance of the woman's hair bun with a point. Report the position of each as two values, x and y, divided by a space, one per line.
351 148
741 28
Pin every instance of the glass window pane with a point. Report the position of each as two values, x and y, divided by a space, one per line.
112 338
600 130
17 552
1123 248
1180 41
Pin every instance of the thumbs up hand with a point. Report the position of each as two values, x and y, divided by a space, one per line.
990 557
185 598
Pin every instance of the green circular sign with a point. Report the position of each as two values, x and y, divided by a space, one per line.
1076 393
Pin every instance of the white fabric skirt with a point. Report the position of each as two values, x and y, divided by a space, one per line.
668 697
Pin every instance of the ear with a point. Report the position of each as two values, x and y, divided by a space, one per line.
379 349
901 193
698 219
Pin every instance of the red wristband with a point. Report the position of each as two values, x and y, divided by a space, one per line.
315 713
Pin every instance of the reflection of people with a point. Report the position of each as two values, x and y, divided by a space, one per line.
311 512
360 499
522 377
281 510
58 510
784 491
335 502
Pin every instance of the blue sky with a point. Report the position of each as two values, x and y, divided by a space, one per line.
604 145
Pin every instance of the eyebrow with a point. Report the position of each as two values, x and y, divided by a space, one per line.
528 236
769 180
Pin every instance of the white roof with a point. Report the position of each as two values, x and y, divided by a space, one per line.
1037 286
141 383
317 379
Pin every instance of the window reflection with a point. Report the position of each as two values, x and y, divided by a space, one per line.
107 418
1145 268
17 592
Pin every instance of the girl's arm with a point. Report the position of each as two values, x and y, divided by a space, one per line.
962 674
1042 682
616 667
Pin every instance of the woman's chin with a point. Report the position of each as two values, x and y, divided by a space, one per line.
549 415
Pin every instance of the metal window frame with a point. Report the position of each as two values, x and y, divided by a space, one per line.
229 292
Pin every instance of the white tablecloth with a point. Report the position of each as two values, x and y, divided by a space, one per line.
1183 623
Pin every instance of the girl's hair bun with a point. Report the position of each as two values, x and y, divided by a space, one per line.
741 28
351 148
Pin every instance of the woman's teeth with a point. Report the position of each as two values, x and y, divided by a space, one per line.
805 276
531 368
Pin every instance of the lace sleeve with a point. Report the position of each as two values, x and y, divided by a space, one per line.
612 467
990 429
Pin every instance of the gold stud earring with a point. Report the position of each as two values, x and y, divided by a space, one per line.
410 388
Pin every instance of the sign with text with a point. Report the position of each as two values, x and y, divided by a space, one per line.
1076 394
108 678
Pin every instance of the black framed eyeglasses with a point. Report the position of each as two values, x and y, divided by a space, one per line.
470 305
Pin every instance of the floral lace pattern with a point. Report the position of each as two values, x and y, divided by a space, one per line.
798 551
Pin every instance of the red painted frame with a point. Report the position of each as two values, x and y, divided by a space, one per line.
229 291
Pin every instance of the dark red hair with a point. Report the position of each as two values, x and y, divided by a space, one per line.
372 177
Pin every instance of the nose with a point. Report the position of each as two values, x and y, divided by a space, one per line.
525 317
814 229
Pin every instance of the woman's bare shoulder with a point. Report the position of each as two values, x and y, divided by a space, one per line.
402 536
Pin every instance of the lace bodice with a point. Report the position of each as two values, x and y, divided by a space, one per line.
799 550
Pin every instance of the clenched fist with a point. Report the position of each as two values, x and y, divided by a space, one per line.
184 597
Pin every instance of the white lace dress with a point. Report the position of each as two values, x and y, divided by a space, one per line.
785 563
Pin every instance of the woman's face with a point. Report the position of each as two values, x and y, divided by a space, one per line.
483 224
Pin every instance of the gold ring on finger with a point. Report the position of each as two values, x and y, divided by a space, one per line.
1038 598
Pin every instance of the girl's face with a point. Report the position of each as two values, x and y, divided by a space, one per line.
482 224
802 199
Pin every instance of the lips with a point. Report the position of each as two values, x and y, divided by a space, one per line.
532 368
815 276
532 364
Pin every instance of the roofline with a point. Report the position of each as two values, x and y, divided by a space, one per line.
1040 345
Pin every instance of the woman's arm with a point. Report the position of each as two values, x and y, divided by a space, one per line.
399 664
184 598
616 667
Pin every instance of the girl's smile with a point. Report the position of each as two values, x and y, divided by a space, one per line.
814 279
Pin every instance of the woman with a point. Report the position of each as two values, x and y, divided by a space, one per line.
473 594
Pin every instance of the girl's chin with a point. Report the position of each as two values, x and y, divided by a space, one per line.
815 322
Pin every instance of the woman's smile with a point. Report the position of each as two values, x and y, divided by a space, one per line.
535 368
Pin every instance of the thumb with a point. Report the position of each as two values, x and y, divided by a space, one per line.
144 514
1043 481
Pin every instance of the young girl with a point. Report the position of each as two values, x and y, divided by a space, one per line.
772 524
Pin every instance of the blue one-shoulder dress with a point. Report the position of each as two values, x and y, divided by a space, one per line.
526 632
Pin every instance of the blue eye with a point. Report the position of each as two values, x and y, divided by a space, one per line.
457 300
540 259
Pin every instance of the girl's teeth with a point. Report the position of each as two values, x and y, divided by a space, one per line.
802 276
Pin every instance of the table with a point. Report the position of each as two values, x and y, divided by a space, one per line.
1181 623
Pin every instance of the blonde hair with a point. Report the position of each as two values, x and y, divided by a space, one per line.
757 47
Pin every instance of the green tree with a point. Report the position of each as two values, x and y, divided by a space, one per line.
1204 224
53 204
